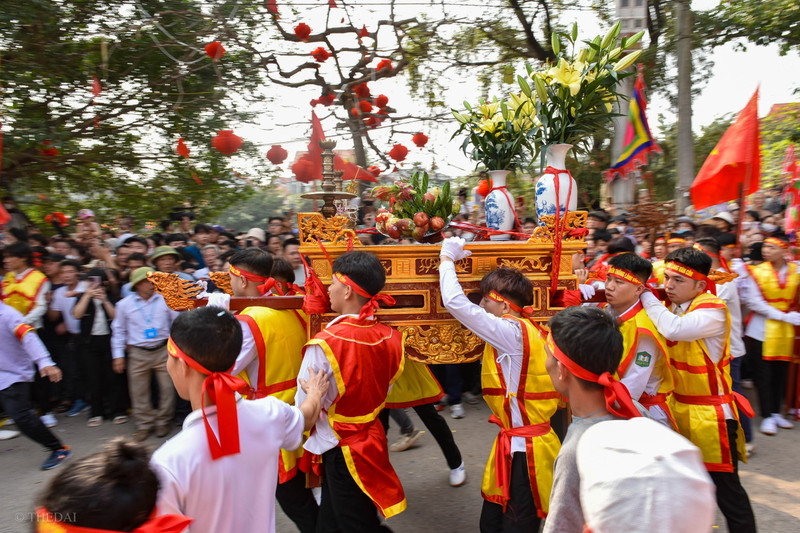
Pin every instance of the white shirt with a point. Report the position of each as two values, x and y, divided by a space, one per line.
63 303
502 334
761 309
323 438
135 315
707 324
727 293
236 492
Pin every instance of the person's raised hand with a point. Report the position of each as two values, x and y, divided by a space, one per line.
453 249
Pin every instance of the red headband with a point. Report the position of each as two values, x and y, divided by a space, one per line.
220 388
495 296
683 270
373 304
615 391
624 275
46 522
722 262
264 288
777 242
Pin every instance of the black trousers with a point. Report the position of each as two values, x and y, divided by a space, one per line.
770 379
16 402
107 389
439 430
298 503
731 496
520 514
344 507
71 365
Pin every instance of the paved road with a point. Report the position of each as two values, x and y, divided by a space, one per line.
772 478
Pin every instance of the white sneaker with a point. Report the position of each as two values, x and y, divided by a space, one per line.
458 475
6 434
48 419
769 426
781 422
457 411
750 448
406 441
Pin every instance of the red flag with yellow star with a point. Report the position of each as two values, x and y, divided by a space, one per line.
735 161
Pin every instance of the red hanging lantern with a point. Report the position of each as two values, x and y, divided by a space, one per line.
484 188
372 122
96 87
384 64
182 149
302 31
375 170
365 106
363 32
226 142
398 152
382 101
215 50
303 170
48 149
361 90
277 154
327 99
420 139
321 54
272 7
332 4
57 218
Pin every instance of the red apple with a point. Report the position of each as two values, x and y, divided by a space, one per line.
419 233
421 219
437 223
393 231
428 198
405 224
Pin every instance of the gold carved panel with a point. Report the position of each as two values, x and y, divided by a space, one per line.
334 231
441 343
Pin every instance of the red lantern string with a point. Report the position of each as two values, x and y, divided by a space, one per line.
384 64
363 32
332 4
398 152
215 50
272 7
226 142
96 90
182 149
365 106
48 149
372 122
328 99
321 54
382 101
354 111
277 154
302 31
420 139
374 170
361 90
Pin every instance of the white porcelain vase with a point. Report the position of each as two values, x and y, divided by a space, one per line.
546 199
499 211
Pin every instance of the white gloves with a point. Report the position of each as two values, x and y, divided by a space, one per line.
453 247
793 318
220 299
587 291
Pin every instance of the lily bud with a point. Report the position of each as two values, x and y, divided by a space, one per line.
526 89
614 53
459 117
634 39
555 43
627 61
582 55
541 90
609 37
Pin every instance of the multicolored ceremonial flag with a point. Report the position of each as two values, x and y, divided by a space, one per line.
638 140
733 168
791 194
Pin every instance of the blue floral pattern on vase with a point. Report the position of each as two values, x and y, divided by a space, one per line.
495 214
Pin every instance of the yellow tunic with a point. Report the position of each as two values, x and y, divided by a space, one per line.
778 335
21 295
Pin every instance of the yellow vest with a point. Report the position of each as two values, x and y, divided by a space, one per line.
537 401
279 339
778 335
701 389
22 295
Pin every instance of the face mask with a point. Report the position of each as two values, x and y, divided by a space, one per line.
747 225
769 228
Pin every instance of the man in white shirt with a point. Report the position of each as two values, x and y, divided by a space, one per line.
141 326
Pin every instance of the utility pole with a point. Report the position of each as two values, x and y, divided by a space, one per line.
685 167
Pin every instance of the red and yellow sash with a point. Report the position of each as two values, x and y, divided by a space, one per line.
778 335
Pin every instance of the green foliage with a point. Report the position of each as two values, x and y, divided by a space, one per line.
760 22
116 151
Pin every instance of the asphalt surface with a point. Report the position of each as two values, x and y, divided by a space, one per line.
772 477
